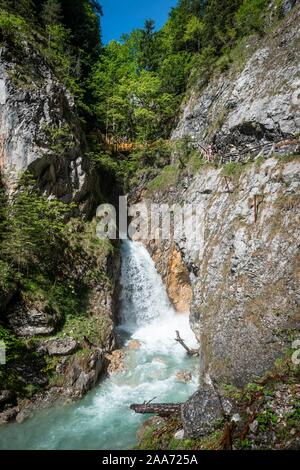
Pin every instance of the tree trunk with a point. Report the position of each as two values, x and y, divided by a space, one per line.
161 409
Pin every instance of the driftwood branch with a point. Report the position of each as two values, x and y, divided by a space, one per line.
191 352
160 409
149 401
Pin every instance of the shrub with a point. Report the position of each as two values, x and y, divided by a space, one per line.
12 27
164 180
250 17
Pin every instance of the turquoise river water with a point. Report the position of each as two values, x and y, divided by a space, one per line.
103 420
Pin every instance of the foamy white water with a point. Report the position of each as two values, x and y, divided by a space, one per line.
103 419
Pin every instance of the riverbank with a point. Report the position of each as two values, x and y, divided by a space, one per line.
151 366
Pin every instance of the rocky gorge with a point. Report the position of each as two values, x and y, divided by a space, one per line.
234 155
240 279
41 133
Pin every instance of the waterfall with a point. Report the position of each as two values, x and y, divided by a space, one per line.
146 311
103 419
144 296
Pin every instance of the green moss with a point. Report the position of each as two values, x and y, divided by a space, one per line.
244 444
266 420
232 170
95 328
167 178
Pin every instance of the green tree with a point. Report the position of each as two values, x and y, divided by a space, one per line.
31 226
148 53
174 72
51 12
250 16
219 20
194 33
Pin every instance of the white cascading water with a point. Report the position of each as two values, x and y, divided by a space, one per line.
146 310
143 295
103 419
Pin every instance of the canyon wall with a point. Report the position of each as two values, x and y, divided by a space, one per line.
244 267
40 130
252 106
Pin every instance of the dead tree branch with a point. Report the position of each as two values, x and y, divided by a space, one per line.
160 409
191 352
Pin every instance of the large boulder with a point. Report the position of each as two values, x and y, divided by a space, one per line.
84 371
203 410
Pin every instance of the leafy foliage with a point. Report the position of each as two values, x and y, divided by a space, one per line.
31 226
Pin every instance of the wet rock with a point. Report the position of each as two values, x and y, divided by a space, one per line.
58 347
23 415
83 373
134 344
116 361
202 411
8 415
184 376
7 397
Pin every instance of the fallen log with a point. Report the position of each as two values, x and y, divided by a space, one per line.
160 409
191 352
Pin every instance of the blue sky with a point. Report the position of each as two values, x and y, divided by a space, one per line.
122 16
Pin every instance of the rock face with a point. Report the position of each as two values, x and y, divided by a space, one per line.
35 320
243 266
170 265
245 292
58 347
256 103
202 411
39 128
84 372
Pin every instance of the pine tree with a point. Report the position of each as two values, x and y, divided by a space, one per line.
6 4
148 49
51 12
25 8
